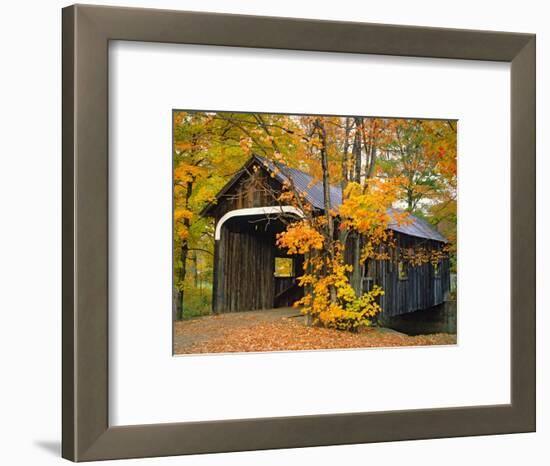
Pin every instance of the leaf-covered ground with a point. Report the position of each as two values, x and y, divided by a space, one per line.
283 330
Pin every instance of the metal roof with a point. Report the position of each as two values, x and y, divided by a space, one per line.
313 191
304 183
415 226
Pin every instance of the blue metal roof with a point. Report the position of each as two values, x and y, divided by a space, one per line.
415 226
304 183
313 191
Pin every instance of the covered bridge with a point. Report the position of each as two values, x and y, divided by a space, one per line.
251 272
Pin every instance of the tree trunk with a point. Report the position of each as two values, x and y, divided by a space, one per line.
357 149
326 187
195 269
184 251
355 279
345 161
410 200
326 199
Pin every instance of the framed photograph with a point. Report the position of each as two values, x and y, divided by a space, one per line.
303 232
283 233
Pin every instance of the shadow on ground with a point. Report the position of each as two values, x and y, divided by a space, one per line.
51 446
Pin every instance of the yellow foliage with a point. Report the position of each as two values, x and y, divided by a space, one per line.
246 144
300 238
186 172
331 300
182 217
182 214
365 210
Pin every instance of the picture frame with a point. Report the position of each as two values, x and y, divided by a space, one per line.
86 433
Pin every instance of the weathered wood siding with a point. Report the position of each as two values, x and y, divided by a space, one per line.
244 277
244 269
255 189
421 289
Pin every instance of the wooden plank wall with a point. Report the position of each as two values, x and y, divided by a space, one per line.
420 290
257 189
245 280
244 277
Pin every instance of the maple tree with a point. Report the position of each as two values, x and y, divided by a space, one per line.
334 295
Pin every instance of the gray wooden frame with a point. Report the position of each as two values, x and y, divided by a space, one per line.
86 33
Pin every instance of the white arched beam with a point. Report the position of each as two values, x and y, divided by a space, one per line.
251 211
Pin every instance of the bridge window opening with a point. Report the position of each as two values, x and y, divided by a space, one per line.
402 270
284 267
